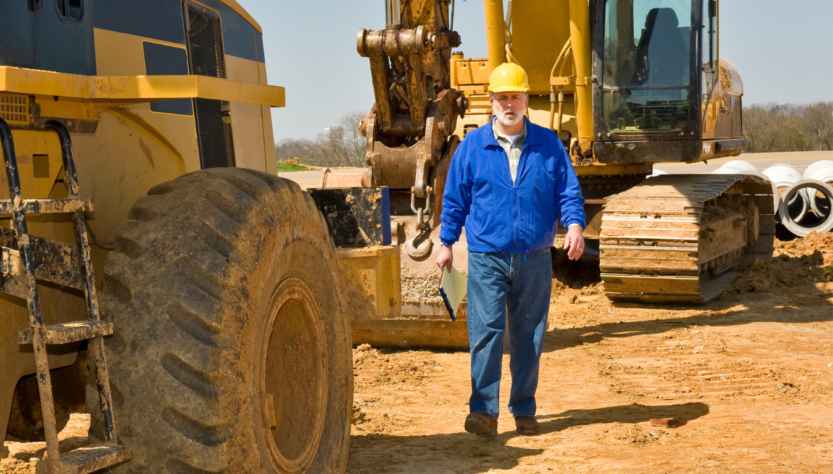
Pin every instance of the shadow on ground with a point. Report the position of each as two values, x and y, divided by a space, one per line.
464 453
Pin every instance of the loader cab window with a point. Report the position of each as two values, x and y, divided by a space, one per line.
646 64
70 11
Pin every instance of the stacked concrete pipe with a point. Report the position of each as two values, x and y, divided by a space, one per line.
820 171
825 223
743 167
783 177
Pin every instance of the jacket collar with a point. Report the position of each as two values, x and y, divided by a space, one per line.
533 134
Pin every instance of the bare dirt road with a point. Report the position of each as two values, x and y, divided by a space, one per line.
750 377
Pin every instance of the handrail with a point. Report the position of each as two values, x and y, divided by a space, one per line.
136 89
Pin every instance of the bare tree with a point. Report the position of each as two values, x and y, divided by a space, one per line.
342 145
354 141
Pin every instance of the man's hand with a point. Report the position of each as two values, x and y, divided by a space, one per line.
573 243
445 257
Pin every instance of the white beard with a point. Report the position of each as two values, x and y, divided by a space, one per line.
509 121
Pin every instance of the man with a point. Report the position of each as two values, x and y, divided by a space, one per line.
509 182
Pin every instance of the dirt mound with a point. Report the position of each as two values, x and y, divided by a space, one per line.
375 368
809 259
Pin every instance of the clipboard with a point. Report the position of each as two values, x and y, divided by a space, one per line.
453 290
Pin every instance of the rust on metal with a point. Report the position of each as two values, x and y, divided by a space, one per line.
85 460
74 331
49 206
96 345
416 108
55 262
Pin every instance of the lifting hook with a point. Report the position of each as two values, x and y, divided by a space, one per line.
423 227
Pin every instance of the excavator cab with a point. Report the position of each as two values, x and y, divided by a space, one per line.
655 83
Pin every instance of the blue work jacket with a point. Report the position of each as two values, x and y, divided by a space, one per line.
500 216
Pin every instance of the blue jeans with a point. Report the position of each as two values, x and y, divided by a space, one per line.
520 283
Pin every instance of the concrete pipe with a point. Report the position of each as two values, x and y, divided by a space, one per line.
795 190
822 171
736 167
783 176
815 167
743 167
657 173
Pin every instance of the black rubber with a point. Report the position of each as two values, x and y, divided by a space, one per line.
194 267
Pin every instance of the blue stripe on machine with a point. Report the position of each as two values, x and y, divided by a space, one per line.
163 60
238 34
156 19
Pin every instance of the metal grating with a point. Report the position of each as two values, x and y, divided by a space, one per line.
206 54
14 109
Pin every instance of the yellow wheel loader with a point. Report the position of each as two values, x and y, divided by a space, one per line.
624 84
154 267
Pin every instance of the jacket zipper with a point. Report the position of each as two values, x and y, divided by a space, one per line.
516 206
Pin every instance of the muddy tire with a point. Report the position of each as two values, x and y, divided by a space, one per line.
232 349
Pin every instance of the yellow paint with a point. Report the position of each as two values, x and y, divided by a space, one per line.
131 150
127 115
375 270
121 54
246 119
495 33
539 30
580 34
269 153
136 89
76 109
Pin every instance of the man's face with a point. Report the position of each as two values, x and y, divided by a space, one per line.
509 107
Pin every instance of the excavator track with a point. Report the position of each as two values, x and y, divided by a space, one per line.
678 238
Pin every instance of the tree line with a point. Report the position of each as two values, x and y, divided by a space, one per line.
340 145
788 127
767 128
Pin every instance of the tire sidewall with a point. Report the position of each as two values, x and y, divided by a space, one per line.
310 258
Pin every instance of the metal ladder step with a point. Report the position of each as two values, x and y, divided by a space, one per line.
88 459
29 258
73 331
50 206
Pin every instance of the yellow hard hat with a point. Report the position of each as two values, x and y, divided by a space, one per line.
508 77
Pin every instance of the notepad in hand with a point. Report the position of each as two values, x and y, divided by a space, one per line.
453 290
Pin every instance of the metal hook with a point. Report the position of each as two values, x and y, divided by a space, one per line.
423 226
421 251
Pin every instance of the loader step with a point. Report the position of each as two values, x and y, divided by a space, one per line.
93 458
72 331
50 206
26 258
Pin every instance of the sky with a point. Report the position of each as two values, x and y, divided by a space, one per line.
782 49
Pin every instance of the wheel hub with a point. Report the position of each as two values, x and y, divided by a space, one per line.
293 377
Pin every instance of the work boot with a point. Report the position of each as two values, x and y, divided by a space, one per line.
481 424
527 425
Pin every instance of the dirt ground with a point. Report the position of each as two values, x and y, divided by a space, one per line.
749 377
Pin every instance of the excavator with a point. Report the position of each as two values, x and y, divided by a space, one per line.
624 84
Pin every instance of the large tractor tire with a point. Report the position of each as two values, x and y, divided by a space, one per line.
232 349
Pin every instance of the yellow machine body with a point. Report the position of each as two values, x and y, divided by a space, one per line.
122 146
